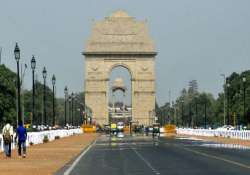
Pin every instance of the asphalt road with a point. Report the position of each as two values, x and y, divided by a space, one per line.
143 155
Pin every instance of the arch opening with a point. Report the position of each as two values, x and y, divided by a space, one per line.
120 98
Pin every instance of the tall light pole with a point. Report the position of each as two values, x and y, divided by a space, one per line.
21 88
224 87
228 86
69 99
190 115
196 111
33 67
44 95
72 108
205 113
17 57
65 105
244 99
54 114
182 112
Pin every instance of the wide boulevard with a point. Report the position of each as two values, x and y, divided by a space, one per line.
143 155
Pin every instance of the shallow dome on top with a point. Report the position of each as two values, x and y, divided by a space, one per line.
118 83
119 33
119 14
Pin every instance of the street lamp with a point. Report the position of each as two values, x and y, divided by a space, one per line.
182 112
228 86
69 99
53 83
72 107
196 111
65 105
205 113
244 98
224 113
44 95
33 67
17 57
190 118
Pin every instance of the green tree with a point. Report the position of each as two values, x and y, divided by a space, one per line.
235 93
38 116
79 103
7 95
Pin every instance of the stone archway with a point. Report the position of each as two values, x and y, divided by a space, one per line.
120 40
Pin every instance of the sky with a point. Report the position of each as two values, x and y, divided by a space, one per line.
195 39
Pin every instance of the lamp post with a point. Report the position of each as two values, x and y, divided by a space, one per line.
44 95
53 83
205 113
69 99
72 108
17 57
33 67
244 99
228 86
190 115
182 112
196 111
65 105
224 103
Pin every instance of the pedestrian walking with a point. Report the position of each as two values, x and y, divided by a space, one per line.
21 133
7 138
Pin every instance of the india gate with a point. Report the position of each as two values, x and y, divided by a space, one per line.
120 40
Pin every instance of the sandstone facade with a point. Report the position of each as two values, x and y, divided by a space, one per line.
120 40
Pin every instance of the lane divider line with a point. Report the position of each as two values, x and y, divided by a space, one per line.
69 170
146 162
210 156
218 158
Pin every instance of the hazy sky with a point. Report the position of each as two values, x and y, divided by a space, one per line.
195 39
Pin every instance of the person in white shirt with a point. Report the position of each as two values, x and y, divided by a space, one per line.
7 138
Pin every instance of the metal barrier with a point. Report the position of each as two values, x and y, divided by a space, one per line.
37 137
235 134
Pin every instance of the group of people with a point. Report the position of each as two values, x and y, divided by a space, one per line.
20 138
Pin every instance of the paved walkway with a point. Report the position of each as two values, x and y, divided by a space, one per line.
45 158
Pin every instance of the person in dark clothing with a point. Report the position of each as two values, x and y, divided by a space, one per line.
147 130
21 133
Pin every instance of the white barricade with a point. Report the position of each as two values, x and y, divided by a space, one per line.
37 137
235 134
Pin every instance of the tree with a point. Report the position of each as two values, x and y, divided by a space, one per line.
235 93
79 102
7 95
39 104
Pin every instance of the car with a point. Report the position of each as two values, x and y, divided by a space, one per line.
150 129
225 128
120 134
120 126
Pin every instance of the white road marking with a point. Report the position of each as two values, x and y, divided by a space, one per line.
68 171
210 156
146 162
218 158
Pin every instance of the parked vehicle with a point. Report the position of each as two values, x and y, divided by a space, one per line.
225 128
120 126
